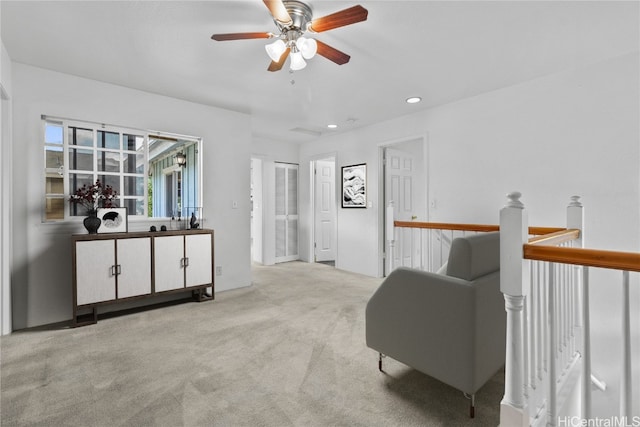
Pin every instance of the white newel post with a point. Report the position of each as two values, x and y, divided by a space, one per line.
390 235
514 284
575 220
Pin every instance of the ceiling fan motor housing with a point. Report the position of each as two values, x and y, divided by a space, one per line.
301 15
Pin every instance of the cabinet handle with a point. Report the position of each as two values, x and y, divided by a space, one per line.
116 270
186 262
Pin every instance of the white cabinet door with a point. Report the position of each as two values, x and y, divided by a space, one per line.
168 255
95 280
134 260
198 252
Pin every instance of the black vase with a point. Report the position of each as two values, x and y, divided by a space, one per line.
92 222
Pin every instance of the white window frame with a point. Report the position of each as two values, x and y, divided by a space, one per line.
95 173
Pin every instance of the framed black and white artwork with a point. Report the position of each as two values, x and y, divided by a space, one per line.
114 220
354 186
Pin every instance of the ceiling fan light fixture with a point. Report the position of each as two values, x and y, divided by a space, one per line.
308 47
297 62
275 49
293 18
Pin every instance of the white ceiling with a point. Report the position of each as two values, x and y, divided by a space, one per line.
442 51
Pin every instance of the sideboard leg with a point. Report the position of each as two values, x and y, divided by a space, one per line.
86 319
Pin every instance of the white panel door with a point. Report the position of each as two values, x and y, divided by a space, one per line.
286 212
400 185
198 253
134 260
325 211
168 255
95 277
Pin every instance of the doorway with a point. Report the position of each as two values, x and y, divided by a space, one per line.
405 185
324 210
256 210
286 212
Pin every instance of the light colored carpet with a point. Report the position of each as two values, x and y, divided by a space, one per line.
288 351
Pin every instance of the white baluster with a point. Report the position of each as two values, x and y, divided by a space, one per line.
586 344
566 307
421 234
552 410
625 383
514 279
430 249
561 304
533 327
572 315
391 238
540 320
526 334
441 239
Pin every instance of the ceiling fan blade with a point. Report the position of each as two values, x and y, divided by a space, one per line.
279 12
332 54
339 19
277 66
241 36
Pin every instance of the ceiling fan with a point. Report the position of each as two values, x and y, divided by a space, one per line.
293 19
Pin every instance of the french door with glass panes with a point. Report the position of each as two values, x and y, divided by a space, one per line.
286 212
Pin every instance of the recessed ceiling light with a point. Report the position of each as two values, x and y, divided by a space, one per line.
332 126
414 100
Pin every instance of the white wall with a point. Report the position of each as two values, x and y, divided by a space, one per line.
575 132
41 284
357 243
5 191
583 122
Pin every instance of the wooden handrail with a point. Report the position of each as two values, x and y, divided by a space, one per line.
446 226
629 261
536 231
556 238
539 231
541 248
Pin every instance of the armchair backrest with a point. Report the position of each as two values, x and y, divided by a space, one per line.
474 256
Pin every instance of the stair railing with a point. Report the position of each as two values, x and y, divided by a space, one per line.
425 245
545 282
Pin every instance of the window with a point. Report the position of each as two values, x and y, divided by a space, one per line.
54 172
133 162
175 187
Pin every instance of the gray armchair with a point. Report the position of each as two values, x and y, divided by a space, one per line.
450 326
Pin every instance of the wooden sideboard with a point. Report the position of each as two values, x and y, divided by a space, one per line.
117 267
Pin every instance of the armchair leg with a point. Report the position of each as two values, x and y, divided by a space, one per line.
472 405
380 356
